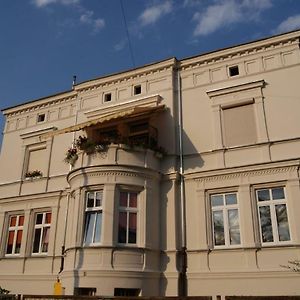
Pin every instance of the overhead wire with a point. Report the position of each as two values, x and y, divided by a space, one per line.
127 33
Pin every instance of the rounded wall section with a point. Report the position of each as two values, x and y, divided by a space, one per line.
115 243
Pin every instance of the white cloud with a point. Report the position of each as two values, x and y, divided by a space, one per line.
42 3
121 45
152 14
96 23
217 16
227 12
291 23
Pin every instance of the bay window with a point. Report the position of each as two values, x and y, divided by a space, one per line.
128 214
93 218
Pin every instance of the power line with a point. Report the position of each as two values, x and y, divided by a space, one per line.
127 33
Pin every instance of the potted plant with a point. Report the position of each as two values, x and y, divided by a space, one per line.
71 156
33 174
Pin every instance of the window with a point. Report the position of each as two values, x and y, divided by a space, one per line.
84 291
37 161
239 125
107 97
137 90
273 216
41 232
127 230
125 292
15 232
93 218
225 219
41 118
234 71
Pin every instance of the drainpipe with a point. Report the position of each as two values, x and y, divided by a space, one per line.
181 253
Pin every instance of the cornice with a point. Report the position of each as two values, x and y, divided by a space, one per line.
260 170
40 104
106 171
241 50
126 76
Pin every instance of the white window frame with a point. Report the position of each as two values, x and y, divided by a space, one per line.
15 229
93 210
128 210
272 203
225 208
43 226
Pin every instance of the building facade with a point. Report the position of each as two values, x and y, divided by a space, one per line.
179 177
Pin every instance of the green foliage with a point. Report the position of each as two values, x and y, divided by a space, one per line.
3 291
293 265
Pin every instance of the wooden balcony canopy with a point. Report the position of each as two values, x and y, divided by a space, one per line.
138 111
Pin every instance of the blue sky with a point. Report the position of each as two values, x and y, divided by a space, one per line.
43 43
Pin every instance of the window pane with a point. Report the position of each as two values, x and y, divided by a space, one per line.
10 242
89 227
19 240
282 222
263 195
13 221
132 228
48 218
21 220
230 199
278 193
266 224
45 240
234 228
123 199
218 224
90 200
98 225
122 227
133 200
36 241
98 199
39 219
217 200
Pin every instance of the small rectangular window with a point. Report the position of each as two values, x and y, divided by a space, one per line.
225 219
127 231
41 232
234 71
41 118
273 216
126 292
15 232
107 97
137 89
93 218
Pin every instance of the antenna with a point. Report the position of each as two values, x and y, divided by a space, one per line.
74 81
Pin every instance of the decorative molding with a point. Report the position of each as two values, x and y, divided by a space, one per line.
38 132
38 104
240 51
240 174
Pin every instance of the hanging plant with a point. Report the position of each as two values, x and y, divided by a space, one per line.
33 174
71 156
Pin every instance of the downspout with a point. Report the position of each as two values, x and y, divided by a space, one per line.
181 253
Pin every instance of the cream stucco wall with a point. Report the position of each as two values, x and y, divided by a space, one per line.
267 81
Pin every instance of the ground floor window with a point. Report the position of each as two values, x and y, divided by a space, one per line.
41 232
127 292
15 232
128 214
225 219
273 215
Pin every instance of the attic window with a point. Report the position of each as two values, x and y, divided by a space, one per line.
234 71
41 118
137 90
107 97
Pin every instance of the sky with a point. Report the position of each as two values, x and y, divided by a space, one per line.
43 43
